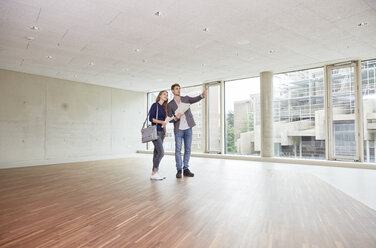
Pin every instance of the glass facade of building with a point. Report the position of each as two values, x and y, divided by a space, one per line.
299 114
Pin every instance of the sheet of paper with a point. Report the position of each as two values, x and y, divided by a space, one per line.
181 109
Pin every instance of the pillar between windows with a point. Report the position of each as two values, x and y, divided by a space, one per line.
266 108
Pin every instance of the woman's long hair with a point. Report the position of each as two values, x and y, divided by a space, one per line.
164 103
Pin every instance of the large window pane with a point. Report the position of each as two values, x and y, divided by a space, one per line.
214 118
196 109
299 115
369 108
343 112
169 139
242 108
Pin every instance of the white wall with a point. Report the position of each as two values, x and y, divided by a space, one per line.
46 120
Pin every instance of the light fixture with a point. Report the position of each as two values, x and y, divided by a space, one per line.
30 38
158 13
91 63
34 28
362 24
49 57
205 29
203 65
271 51
242 42
137 50
144 61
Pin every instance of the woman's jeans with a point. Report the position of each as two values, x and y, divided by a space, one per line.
158 151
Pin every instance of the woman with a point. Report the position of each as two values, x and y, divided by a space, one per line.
158 116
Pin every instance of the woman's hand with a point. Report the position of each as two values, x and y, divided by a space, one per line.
163 123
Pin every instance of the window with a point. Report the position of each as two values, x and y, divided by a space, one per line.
369 108
169 141
342 126
300 121
242 116
299 114
214 118
196 109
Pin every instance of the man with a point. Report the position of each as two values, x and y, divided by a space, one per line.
183 124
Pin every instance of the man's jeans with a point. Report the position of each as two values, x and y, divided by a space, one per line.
185 135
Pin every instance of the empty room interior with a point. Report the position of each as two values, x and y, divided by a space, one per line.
171 123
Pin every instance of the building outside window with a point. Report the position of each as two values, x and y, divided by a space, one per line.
299 114
242 110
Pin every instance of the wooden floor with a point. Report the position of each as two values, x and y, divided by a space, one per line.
228 204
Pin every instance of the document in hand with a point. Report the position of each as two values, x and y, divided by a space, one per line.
181 109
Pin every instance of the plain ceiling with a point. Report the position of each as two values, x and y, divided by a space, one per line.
124 44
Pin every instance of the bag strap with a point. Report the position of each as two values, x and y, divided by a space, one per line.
148 116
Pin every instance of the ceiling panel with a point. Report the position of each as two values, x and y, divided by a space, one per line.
123 44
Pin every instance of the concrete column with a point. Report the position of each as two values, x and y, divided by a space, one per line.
266 108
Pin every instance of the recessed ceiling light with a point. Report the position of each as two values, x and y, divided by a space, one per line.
158 13
75 76
49 57
144 61
203 65
30 38
137 50
272 51
34 28
362 24
242 42
91 63
205 29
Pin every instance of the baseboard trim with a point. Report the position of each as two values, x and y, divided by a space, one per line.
356 165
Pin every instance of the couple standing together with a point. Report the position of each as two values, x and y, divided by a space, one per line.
183 124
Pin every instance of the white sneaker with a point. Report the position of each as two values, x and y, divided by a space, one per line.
161 175
156 176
